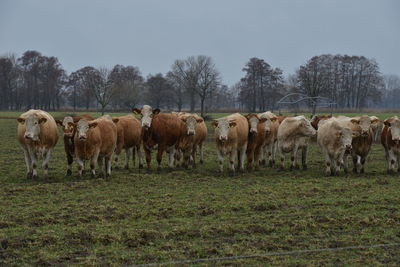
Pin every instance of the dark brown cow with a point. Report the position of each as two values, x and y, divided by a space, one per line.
69 132
256 139
390 139
161 131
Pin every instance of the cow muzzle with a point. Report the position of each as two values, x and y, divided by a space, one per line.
223 138
364 134
190 133
253 131
28 136
82 138
396 140
349 147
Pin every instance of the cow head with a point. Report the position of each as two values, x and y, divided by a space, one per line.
32 126
345 136
305 127
316 119
82 128
68 129
270 120
191 122
147 114
254 120
364 123
394 124
222 127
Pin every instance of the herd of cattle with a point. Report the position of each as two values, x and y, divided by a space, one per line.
254 136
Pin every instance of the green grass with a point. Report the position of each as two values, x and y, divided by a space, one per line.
184 214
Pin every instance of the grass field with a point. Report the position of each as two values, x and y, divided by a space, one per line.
137 218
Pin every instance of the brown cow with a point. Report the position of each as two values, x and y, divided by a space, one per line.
193 135
361 144
390 139
231 133
95 140
271 137
256 139
129 136
317 118
69 132
159 130
37 134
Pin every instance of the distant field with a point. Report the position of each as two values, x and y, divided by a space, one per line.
140 218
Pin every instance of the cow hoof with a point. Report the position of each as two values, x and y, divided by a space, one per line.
355 170
148 170
126 167
35 176
93 175
362 171
29 175
158 170
201 161
271 164
69 172
140 166
305 167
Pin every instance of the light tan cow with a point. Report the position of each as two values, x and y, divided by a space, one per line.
231 133
95 140
271 137
376 128
129 138
37 135
334 139
193 135
294 134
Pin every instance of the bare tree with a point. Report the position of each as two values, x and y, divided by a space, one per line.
102 87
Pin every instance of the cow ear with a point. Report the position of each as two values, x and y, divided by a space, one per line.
156 111
355 121
273 119
374 121
183 119
387 121
199 120
59 123
21 120
247 116
42 120
92 125
136 111
115 120
232 124
214 123
263 120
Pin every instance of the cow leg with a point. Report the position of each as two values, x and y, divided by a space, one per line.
257 155
171 156
201 146
134 155
345 162
193 156
33 155
140 155
282 156
108 165
242 156
304 157
159 156
45 165
127 154
185 158
391 161
100 164
363 164
93 161
273 151
70 160
358 164
79 161
147 153
355 163
28 163
249 154
294 164
232 155
220 155
328 163
268 153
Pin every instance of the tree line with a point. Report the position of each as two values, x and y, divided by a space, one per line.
37 81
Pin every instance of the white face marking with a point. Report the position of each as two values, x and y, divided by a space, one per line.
223 129
365 125
346 137
253 122
32 127
82 128
147 116
191 123
395 130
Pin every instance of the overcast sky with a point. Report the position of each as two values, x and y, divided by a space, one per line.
152 34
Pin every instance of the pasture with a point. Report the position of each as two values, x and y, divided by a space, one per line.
137 217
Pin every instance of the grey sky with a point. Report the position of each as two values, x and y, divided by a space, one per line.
152 34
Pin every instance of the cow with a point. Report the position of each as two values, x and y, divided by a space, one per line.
193 135
294 134
95 140
68 134
256 139
317 118
129 138
231 135
334 139
37 135
390 139
161 131
269 147
362 143
376 128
